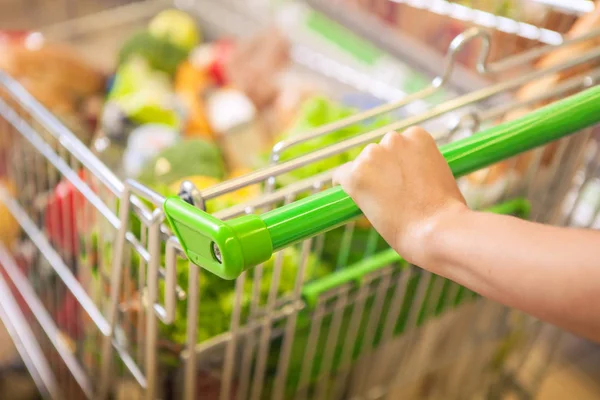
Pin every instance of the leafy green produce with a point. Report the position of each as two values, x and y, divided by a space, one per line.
160 54
315 112
192 157
143 94
217 296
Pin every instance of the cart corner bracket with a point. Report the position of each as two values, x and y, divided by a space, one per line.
225 249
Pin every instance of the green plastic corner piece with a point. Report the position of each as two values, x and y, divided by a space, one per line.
225 249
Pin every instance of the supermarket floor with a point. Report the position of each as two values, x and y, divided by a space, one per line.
575 375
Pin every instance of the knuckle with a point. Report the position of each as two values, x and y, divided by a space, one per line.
417 134
370 152
391 140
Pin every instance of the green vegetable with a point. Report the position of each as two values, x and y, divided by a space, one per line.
218 295
315 112
186 158
145 95
160 54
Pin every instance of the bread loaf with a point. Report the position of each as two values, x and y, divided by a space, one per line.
53 66
523 162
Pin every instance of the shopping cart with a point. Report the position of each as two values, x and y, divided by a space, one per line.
141 319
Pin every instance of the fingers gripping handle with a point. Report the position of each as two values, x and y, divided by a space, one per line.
229 248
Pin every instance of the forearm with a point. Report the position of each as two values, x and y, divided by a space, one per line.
549 272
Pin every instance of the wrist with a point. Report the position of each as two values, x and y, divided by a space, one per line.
434 238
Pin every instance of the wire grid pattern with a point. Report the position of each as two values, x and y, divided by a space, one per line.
254 353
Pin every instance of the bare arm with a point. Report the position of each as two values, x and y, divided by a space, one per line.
549 272
407 191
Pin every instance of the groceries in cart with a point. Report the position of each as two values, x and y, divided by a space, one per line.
170 88
181 113
180 108
488 185
435 23
51 72
178 113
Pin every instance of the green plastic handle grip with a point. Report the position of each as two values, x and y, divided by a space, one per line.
227 248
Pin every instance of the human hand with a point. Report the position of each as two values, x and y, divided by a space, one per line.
406 189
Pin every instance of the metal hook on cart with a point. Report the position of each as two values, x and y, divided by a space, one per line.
469 122
454 49
457 44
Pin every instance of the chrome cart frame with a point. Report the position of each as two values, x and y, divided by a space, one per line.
372 327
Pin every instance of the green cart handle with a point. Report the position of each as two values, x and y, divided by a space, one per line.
227 248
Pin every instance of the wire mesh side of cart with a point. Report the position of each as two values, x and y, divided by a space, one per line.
265 339
62 290
314 339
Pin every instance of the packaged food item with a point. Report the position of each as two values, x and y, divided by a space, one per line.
212 58
254 64
143 144
436 29
56 76
34 59
233 118
250 65
9 227
65 218
510 173
69 317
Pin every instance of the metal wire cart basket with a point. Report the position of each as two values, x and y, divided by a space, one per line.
269 284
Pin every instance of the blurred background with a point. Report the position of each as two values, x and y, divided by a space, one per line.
363 53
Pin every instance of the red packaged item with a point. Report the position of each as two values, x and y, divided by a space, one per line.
69 317
213 58
14 37
68 216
